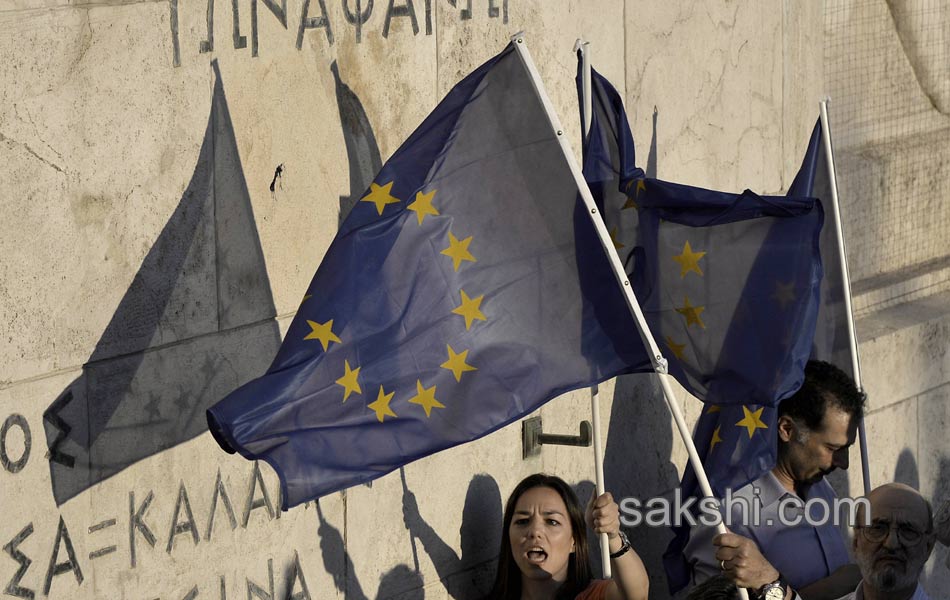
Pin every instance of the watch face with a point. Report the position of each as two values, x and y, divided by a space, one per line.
775 593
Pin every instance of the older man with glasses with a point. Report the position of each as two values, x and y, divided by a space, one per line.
892 546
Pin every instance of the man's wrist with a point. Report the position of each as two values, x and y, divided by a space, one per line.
776 589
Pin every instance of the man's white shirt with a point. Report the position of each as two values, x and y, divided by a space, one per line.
858 594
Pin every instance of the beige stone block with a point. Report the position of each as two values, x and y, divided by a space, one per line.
904 351
714 72
97 174
934 420
802 81
891 196
893 447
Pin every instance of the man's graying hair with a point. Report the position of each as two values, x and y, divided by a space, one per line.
825 385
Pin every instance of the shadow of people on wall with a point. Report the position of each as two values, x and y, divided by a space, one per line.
196 322
333 551
362 151
469 576
937 576
637 461
401 577
906 470
650 169
401 582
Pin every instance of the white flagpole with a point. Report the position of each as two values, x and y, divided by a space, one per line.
659 363
586 108
846 279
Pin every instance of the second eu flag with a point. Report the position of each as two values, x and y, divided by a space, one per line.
448 305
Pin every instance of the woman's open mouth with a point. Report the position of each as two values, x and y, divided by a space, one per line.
536 555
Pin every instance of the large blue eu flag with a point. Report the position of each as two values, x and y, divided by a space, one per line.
449 304
731 286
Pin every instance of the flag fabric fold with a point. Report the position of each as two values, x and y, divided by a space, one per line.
449 304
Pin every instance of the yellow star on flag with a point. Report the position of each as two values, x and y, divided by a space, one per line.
752 421
349 380
691 313
713 408
470 309
676 349
784 293
425 398
381 405
689 260
613 238
631 202
456 363
322 332
458 250
422 205
715 439
380 196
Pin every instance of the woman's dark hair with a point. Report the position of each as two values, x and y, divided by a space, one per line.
508 577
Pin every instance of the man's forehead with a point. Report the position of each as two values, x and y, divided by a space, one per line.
839 427
898 506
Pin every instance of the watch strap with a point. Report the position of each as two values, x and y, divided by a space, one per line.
624 548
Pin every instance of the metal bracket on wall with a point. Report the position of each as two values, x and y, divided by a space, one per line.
532 437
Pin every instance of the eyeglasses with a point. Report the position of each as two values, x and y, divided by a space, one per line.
878 532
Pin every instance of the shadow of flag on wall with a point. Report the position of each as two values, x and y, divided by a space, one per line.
448 305
731 287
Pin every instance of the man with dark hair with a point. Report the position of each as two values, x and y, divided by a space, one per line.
780 551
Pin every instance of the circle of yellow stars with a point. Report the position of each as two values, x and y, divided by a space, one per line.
469 308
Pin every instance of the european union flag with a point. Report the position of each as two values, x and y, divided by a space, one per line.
733 449
730 284
448 305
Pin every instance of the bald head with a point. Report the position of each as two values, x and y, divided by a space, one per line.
893 498
892 546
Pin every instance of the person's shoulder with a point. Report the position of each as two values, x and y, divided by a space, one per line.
597 590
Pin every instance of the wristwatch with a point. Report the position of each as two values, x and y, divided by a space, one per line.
774 590
625 545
